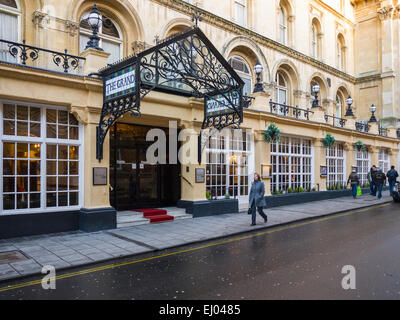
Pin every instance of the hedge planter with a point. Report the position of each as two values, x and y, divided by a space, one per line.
210 208
296 198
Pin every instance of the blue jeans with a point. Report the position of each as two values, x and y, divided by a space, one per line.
354 188
372 189
391 186
379 187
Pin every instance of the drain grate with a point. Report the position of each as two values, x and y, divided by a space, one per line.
11 257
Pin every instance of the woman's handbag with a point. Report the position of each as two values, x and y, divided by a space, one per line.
249 211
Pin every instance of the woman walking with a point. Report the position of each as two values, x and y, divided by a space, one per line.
354 180
257 200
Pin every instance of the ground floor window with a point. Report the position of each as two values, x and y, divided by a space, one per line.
292 165
229 164
384 160
335 159
41 152
363 165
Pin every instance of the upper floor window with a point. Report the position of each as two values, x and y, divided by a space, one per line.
316 36
9 17
243 70
341 54
110 37
241 12
283 26
281 88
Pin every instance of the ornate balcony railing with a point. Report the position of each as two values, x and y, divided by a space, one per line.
383 132
335 121
21 53
362 126
289 111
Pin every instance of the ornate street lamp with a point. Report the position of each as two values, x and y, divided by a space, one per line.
316 89
94 20
258 69
373 110
349 102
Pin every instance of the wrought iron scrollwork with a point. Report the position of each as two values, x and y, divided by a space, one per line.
23 51
186 64
66 60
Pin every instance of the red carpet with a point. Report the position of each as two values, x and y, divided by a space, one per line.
155 215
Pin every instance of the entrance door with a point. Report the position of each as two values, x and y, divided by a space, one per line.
137 185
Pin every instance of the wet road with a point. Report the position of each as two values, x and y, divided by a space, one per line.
300 261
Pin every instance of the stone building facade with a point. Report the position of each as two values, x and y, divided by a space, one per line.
50 110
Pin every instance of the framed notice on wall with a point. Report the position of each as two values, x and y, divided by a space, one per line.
324 171
99 176
200 175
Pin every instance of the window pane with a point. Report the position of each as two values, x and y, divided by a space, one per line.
74 133
51 200
51 183
51 167
9 111
34 200
63 199
34 184
34 151
63 167
35 114
62 117
51 151
34 168
22 150
62 132
62 152
22 113
35 130
51 116
72 120
8 167
51 131
73 152
9 127
9 185
8 150
22 128
9 202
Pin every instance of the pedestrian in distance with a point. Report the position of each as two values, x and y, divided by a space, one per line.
257 200
354 180
379 180
392 176
370 177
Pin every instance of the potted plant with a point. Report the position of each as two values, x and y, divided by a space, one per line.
360 146
329 141
273 134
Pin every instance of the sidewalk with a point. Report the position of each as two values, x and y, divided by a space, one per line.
77 248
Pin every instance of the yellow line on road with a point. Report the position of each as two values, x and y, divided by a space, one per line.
253 235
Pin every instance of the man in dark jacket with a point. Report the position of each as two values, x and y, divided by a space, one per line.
392 176
354 180
370 178
379 180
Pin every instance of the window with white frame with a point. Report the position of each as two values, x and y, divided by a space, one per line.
314 41
9 22
110 37
243 70
241 12
335 161
229 164
283 26
41 151
363 165
292 165
281 88
384 160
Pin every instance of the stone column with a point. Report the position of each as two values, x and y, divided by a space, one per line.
261 101
95 60
319 160
394 154
374 151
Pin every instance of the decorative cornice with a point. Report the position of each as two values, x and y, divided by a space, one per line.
385 12
71 27
229 26
39 18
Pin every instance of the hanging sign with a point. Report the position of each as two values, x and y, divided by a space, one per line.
120 83
219 104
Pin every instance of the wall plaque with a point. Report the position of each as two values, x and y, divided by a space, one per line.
200 175
99 176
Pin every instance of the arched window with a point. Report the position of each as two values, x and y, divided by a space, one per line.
316 35
339 106
340 51
281 88
283 27
110 37
243 70
9 26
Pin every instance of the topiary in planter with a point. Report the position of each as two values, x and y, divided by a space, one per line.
273 134
360 146
329 141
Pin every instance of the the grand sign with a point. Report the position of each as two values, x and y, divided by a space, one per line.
120 83
221 104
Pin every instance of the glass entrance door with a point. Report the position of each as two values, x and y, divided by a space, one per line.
135 184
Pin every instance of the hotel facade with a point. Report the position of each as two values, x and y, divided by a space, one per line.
52 102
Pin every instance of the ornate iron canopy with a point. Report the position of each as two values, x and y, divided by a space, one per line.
185 64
